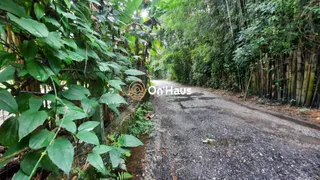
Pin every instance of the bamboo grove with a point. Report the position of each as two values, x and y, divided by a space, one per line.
268 48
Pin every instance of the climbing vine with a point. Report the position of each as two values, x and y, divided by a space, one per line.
63 64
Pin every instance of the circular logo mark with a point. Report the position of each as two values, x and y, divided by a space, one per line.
137 90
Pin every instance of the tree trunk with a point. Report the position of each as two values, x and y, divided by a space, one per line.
299 77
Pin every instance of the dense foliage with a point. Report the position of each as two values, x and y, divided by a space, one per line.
63 64
264 47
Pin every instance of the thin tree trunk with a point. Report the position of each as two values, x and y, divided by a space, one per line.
299 77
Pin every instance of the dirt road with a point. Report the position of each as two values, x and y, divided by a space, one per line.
202 136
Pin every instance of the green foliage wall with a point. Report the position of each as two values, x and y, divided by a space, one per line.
266 47
63 63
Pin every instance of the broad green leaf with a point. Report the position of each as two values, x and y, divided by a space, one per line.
41 139
23 101
37 71
134 72
133 78
35 103
115 158
7 102
69 125
29 161
35 28
49 97
53 40
75 56
88 137
70 43
88 126
116 84
89 105
114 108
71 111
101 149
109 53
52 21
12 7
20 175
76 92
9 132
67 3
6 58
96 161
61 153
48 165
103 66
7 74
39 10
129 141
30 120
112 99
69 16
29 50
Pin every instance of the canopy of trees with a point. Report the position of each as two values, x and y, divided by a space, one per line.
265 47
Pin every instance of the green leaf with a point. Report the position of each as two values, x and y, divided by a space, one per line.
61 153
69 125
48 165
23 101
39 10
29 161
88 126
116 84
112 99
6 58
9 132
41 139
134 72
35 103
70 43
89 105
20 175
96 161
88 137
67 3
29 121
12 7
37 71
75 56
52 21
29 50
71 111
7 74
133 78
76 92
53 40
115 158
35 28
7 102
101 149
129 141
114 108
